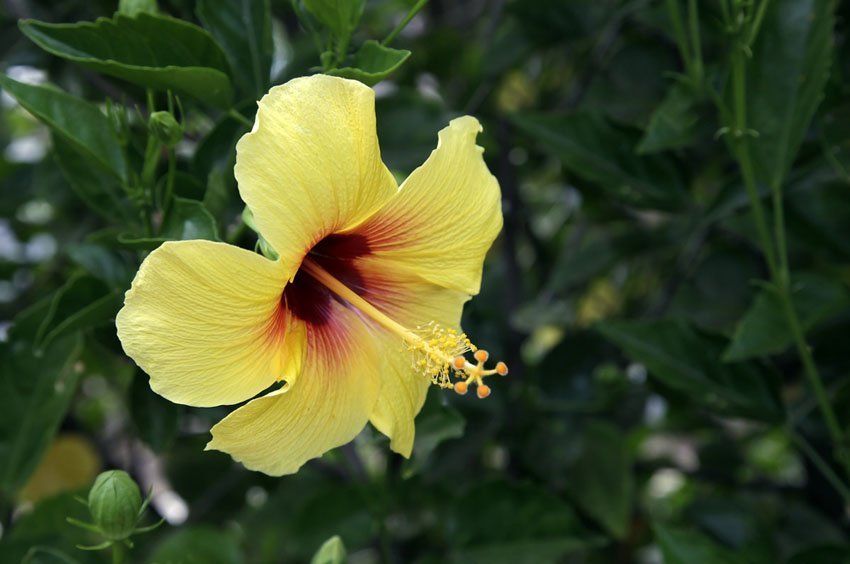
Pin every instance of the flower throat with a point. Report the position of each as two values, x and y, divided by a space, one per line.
438 352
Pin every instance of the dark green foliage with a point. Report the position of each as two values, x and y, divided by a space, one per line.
670 289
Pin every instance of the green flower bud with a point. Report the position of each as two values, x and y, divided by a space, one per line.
114 503
134 7
165 128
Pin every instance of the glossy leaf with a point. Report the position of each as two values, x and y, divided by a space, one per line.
36 391
187 219
687 361
763 330
154 417
339 16
683 546
151 51
100 190
675 123
601 480
373 63
83 302
243 28
104 264
503 523
435 424
593 149
785 80
78 122
197 545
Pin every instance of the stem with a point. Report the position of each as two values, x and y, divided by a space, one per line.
679 33
754 30
239 117
696 43
117 553
821 464
811 370
744 160
403 23
779 269
169 181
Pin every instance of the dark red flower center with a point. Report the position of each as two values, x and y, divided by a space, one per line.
308 299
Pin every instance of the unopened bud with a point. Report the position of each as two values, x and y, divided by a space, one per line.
115 503
165 128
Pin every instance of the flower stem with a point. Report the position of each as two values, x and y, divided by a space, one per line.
239 117
117 553
821 464
403 23
777 256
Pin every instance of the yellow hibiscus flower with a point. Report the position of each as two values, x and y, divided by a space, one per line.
360 311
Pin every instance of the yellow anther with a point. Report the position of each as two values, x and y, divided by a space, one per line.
501 368
481 355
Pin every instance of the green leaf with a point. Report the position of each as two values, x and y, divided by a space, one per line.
101 191
505 523
435 424
601 480
339 16
243 28
198 545
42 534
373 63
82 302
595 150
78 122
149 50
36 391
331 552
683 546
687 361
102 263
154 417
763 330
675 123
187 219
785 80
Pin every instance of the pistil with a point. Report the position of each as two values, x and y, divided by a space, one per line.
442 352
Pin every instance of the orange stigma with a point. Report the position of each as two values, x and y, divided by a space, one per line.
475 373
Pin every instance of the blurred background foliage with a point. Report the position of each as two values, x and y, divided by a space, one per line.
670 289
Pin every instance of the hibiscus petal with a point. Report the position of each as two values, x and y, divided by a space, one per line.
445 216
203 320
311 165
327 407
403 387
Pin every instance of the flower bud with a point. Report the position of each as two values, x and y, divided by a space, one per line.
165 128
114 503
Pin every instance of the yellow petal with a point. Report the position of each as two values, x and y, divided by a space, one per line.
446 214
311 165
414 303
203 319
327 406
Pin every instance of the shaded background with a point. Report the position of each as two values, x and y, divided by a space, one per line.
655 410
